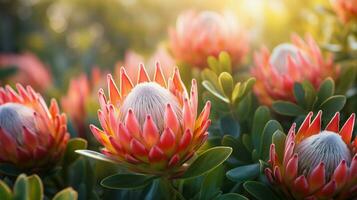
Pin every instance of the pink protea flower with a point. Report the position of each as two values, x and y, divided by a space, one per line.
31 71
315 163
132 60
277 72
151 125
345 9
200 35
80 96
32 136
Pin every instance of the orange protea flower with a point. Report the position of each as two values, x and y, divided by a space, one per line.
80 97
31 70
316 164
32 136
345 9
276 73
200 35
150 125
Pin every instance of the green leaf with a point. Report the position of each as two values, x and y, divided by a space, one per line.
35 188
95 155
225 81
214 91
239 150
207 161
261 117
229 126
327 88
225 62
213 63
126 181
346 79
9 169
5 191
266 137
310 94
333 104
210 76
66 194
259 190
212 183
73 145
244 173
231 196
287 108
21 190
279 142
247 87
299 94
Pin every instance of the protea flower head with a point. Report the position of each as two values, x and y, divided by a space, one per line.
150 125
30 70
81 97
315 163
200 35
277 72
345 9
32 136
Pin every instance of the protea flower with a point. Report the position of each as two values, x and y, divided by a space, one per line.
200 35
315 163
150 125
80 98
277 72
32 136
345 9
132 60
31 70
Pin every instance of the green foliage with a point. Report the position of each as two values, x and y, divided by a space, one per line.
308 99
219 82
126 181
259 191
73 144
7 72
31 188
207 161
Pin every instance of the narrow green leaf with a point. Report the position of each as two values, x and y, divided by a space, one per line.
66 194
213 63
266 137
261 117
214 91
21 190
326 90
126 181
225 81
210 76
232 196
239 150
225 63
333 104
310 94
247 87
95 155
259 191
244 173
35 188
5 191
299 94
73 145
207 161
212 184
346 79
287 108
279 142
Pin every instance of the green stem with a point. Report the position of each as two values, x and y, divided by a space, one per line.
173 193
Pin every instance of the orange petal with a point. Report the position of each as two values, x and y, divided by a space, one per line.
334 123
341 174
171 120
304 127
347 129
158 76
143 75
132 124
150 132
317 177
114 94
315 126
167 141
125 83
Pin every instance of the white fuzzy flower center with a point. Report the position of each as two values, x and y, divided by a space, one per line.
14 116
150 99
279 56
327 147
